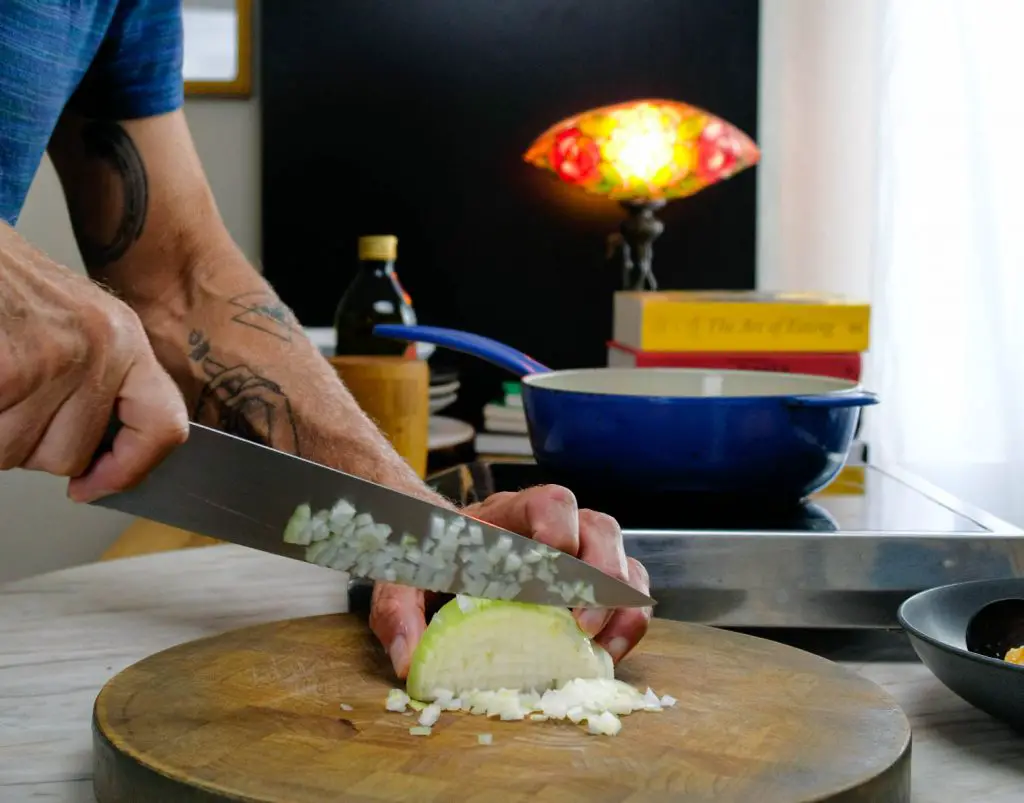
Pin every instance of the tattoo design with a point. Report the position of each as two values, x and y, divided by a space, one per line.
108 142
264 311
238 400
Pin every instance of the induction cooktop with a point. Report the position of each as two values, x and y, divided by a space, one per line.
846 557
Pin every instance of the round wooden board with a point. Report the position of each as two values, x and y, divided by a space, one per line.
254 715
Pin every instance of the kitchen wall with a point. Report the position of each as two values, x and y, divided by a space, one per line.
816 126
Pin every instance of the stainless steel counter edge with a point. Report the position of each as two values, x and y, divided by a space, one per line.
819 579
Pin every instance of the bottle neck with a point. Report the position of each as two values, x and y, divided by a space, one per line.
378 267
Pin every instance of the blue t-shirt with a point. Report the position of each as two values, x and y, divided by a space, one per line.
108 59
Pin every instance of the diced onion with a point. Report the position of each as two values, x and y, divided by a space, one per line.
484 738
512 661
605 723
596 703
419 730
651 701
453 553
397 700
430 715
297 529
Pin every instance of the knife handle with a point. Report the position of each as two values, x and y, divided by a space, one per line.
360 596
106 442
360 592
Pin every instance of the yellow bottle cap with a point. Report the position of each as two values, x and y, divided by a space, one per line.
378 246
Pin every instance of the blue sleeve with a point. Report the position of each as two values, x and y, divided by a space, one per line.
138 69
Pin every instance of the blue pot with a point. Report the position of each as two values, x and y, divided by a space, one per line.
746 434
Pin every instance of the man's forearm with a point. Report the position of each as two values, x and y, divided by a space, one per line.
245 365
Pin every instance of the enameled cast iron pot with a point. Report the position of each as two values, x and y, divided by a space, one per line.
775 436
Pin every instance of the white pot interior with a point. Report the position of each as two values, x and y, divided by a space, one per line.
686 383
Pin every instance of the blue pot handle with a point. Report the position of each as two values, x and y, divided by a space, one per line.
475 345
855 398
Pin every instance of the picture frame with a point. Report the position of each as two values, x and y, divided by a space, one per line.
218 48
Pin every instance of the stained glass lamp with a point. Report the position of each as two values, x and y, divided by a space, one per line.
643 154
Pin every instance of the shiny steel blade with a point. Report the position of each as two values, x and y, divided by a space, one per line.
233 490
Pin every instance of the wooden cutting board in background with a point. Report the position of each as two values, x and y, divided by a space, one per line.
254 715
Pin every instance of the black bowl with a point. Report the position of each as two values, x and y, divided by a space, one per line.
936 621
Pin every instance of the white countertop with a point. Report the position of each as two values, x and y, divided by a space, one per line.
64 634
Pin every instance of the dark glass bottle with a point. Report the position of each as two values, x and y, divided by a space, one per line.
374 296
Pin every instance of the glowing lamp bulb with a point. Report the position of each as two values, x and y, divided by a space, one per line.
644 150
640 152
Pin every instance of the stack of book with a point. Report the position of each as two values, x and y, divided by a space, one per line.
505 432
799 333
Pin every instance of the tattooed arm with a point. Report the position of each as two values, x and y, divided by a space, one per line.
148 228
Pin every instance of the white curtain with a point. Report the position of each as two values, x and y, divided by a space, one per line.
947 282
892 136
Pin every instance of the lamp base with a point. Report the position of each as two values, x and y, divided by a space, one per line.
639 231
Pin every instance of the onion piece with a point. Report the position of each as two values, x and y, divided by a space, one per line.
397 700
419 730
297 531
430 715
484 738
605 723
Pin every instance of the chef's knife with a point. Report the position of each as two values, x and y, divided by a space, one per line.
234 490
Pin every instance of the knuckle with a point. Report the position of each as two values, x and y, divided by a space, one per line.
20 375
637 568
497 498
558 494
17 450
600 522
69 465
638 574
176 430
111 327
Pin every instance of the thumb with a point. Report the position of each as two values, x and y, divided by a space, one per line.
398 619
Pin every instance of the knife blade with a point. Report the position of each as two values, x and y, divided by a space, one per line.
231 489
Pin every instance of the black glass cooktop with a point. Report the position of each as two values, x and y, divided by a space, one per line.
862 499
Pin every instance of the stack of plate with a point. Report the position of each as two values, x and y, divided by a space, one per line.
444 389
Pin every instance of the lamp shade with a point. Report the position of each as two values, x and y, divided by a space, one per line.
643 150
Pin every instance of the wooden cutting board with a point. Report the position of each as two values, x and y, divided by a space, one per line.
255 715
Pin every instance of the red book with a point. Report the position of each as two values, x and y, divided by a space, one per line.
841 366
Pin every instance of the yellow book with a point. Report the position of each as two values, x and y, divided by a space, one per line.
740 321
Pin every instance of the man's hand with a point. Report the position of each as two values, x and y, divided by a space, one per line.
70 356
548 514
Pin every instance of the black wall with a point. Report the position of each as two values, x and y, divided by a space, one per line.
411 116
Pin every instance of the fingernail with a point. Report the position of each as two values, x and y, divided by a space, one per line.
617 647
592 620
399 653
86 498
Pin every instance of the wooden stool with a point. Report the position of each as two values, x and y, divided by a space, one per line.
144 537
